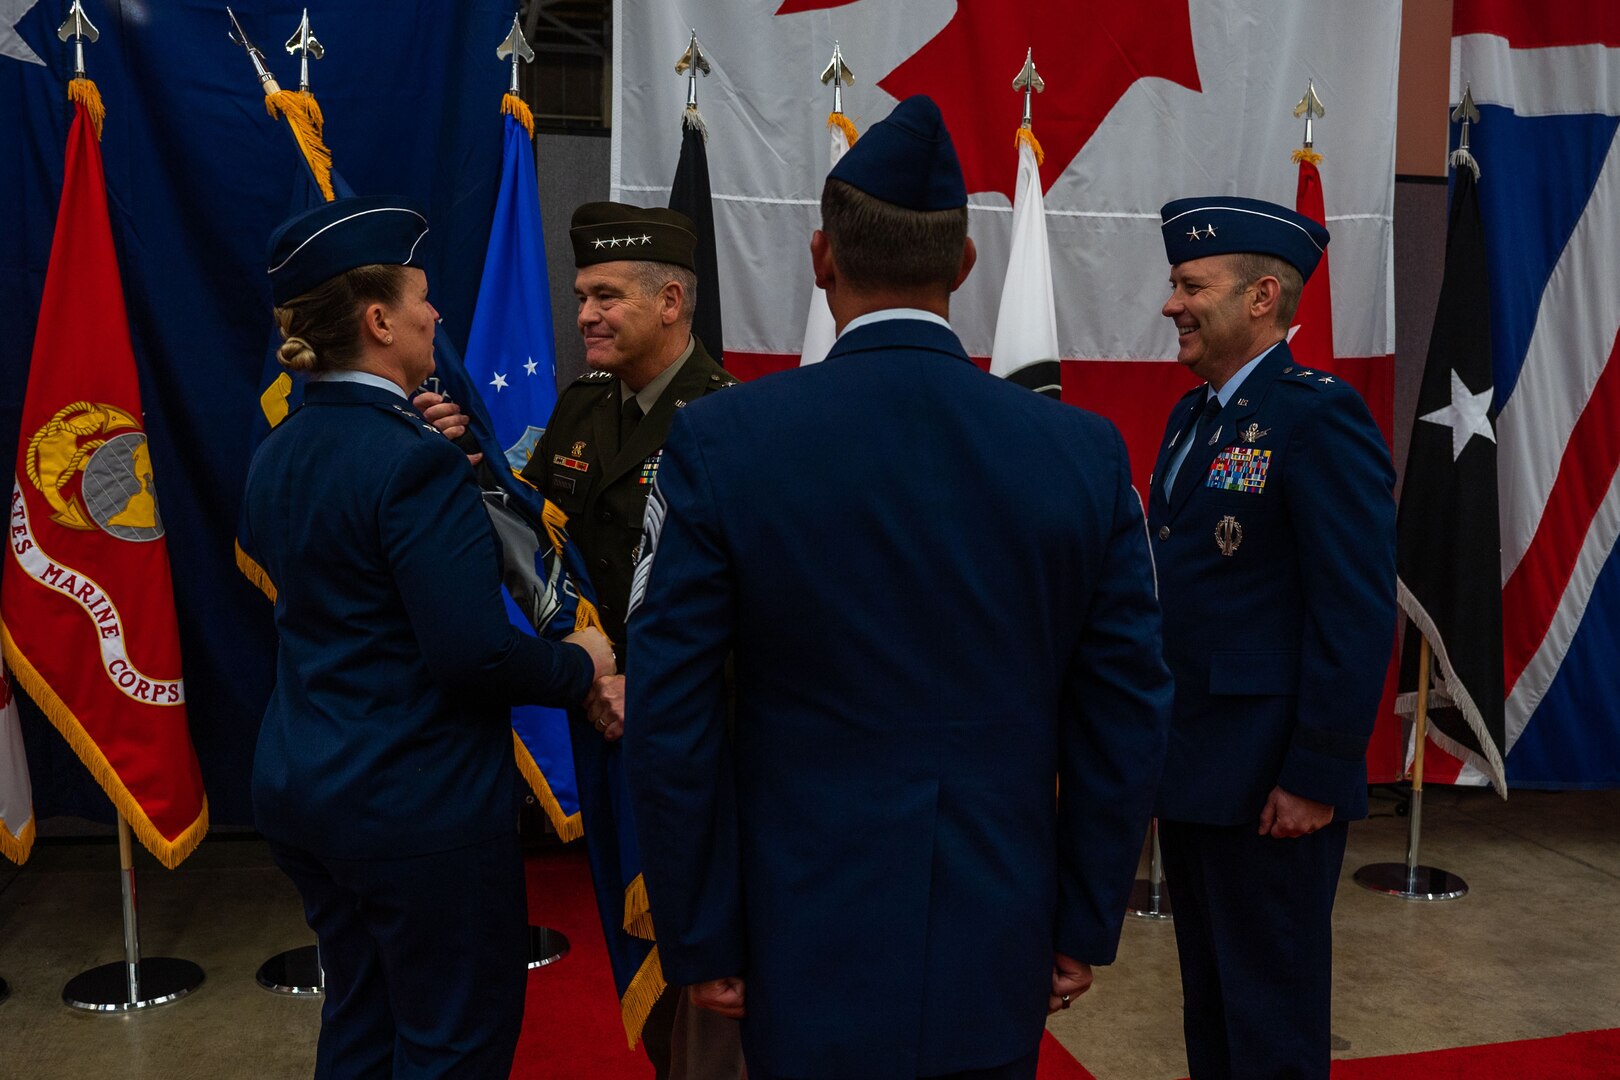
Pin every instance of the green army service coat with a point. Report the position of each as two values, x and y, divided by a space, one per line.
579 465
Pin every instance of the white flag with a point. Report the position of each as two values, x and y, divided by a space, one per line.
1026 343
819 332
16 793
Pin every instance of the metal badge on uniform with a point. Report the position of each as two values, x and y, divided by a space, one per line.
680 403
1228 534
649 468
570 463
1216 438
1254 433
1240 468
578 449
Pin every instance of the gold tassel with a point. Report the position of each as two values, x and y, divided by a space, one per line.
84 92
514 106
1026 137
845 124
1304 154
16 847
569 827
255 573
637 911
168 852
303 115
641 995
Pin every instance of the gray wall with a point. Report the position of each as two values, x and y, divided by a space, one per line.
572 169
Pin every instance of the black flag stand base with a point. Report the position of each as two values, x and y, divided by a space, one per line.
1408 880
297 972
135 983
546 946
1148 898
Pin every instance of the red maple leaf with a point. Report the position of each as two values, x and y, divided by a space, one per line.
1088 51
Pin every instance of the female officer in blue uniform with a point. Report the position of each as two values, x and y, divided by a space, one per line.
384 779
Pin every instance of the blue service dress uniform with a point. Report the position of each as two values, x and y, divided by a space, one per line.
1276 569
940 599
384 777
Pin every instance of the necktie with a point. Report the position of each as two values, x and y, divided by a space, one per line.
1188 474
629 417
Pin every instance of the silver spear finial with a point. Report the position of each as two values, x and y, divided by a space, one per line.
1466 113
1030 83
837 72
78 28
691 62
515 46
1310 107
240 38
303 43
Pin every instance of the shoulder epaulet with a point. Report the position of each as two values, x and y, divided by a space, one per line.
1315 378
409 415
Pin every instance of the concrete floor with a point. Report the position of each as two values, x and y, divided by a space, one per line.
1531 951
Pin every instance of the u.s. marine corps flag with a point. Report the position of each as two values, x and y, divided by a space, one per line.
86 606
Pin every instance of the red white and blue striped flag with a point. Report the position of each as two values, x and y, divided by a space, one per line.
1545 75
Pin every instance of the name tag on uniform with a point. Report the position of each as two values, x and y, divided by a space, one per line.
1240 468
559 482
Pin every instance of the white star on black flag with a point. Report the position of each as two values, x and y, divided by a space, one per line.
1448 539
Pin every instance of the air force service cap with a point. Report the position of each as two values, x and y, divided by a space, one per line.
906 159
1228 225
320 243
610 232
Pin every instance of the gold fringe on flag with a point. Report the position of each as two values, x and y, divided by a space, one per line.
303 115
168 852
254 573
17 846
84 92
515 107
569 827
845 124
641 995
1304 154
585 614
690 117
1026 137
637 911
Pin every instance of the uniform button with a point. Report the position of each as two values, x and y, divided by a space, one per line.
605 516
604 609
602 563
1164 532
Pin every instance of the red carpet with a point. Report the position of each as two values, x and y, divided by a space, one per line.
1584 1055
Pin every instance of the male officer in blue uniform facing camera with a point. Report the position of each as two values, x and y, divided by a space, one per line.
1273 529
950 703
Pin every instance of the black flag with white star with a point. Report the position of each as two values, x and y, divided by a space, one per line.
1448 539
690 195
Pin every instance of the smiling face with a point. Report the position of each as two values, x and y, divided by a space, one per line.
1218 327
627 327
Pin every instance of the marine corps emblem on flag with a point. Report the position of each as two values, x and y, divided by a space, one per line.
92 465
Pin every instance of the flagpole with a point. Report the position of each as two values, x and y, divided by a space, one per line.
1408 880
135 982
1148 899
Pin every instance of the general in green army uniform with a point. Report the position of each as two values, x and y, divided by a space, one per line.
597 461
599 454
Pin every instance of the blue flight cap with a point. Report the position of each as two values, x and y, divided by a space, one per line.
906 159
320 243
1228 225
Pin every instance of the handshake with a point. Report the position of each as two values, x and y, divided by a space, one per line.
604 705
